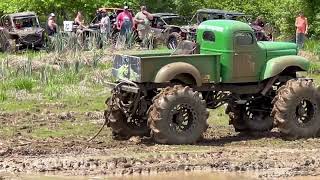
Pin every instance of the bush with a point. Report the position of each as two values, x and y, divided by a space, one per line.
23 83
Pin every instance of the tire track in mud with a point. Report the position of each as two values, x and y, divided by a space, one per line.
263 162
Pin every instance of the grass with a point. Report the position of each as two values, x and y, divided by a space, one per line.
312 46
218 117
53 91
23 83
14 106
65 130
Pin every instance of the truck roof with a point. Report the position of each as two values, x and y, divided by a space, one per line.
22 14
219 11
111 9
164 14
221 32
225 25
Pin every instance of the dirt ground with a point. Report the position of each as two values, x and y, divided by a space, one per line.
53 141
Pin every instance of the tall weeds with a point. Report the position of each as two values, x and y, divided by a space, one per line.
52 75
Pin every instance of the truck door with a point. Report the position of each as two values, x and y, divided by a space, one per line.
158 28
245 65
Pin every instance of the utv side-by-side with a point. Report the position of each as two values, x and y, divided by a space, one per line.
20 30
167 28
166 94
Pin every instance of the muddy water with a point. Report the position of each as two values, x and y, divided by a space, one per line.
189 176
161 176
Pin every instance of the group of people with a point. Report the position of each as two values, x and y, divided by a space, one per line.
141 21
52 24
126 22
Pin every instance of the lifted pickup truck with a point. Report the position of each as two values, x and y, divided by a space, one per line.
166 95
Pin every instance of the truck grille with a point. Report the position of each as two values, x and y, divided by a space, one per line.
31 39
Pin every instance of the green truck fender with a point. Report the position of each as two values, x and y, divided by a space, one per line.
277 65
180 70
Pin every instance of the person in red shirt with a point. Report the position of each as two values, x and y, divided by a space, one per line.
301 29
125 23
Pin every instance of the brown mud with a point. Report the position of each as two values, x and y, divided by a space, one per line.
264 155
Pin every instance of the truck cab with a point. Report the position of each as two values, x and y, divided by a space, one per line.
243 58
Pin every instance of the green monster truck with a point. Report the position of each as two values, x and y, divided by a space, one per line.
166 95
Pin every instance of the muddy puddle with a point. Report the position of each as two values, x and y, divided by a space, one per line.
161 176
168 176
203 175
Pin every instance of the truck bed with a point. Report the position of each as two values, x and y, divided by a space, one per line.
143 67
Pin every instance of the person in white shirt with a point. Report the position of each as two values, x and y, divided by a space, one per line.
105 24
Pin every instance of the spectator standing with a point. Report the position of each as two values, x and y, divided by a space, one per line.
105 23
142 19
52 25
259 22
79 21
301 29
124 23
105 26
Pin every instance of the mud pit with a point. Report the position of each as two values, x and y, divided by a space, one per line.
54 142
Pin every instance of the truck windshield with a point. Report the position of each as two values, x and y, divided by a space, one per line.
211 16
25 22
175 20
208 16
241 18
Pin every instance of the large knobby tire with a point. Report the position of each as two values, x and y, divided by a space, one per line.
173 40
296 109
4 43
120 125
178 116
12 45
235 113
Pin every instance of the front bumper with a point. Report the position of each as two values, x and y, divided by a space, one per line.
123 86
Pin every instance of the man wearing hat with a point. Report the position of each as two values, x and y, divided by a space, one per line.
52 25
125 23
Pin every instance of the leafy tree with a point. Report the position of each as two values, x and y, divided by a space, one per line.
280 13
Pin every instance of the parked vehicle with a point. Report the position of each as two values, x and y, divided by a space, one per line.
167 28
166 94
20 30
211 14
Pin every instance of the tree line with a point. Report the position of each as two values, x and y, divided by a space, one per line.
280 13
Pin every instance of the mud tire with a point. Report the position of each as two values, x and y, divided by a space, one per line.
121 129
235 113
12 45
239 118
173 38
165 108
286 109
